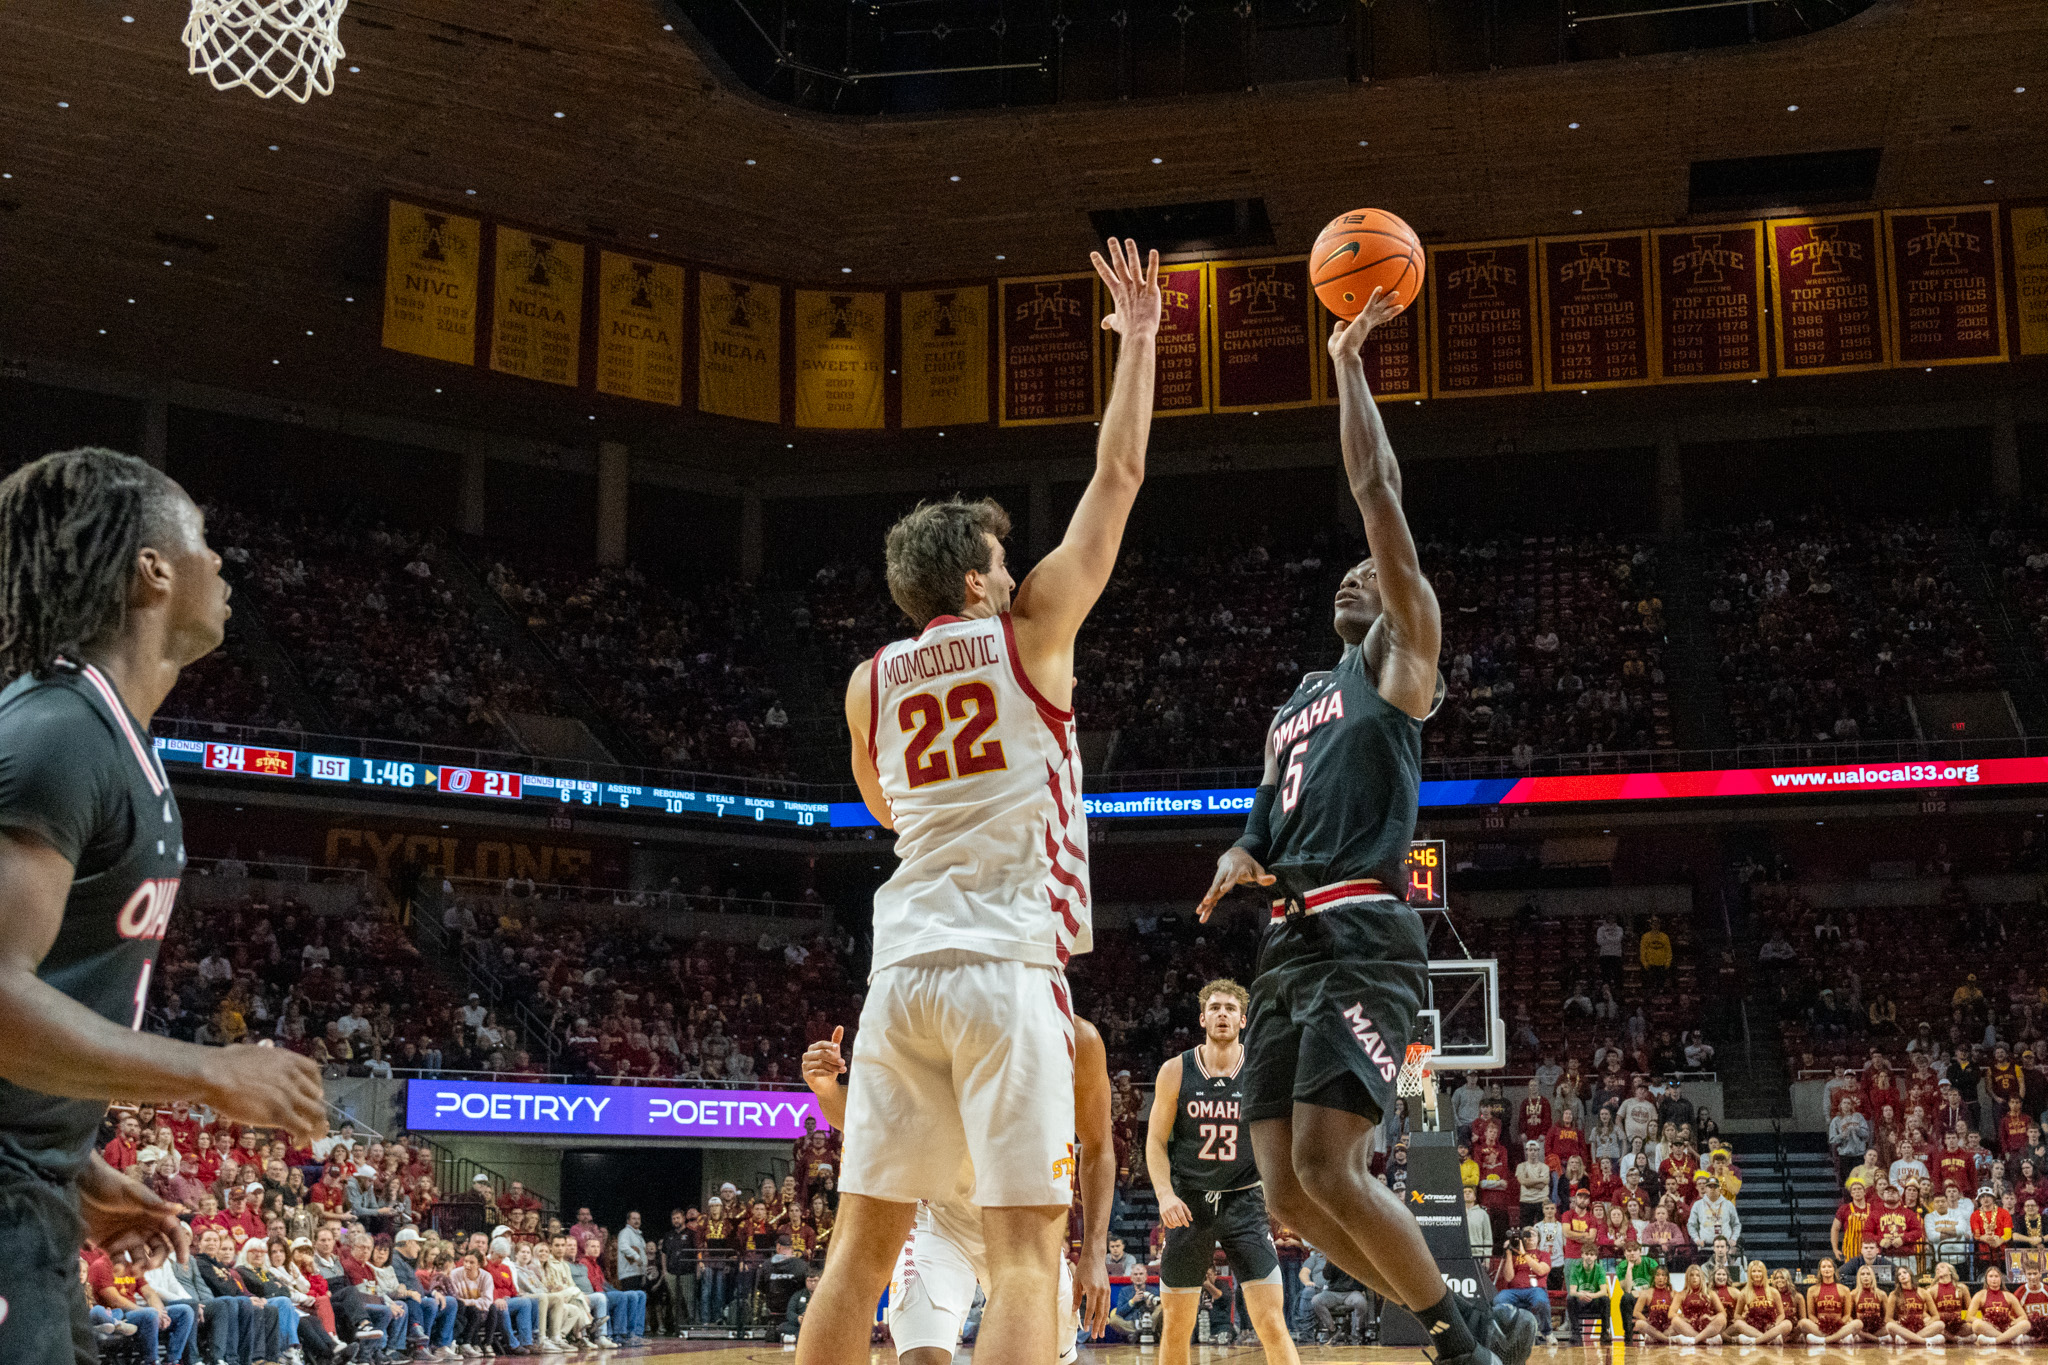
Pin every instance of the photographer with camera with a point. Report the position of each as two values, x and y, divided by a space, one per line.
1522 1275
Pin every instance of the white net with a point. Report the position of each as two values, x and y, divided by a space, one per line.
1415 1074
271 47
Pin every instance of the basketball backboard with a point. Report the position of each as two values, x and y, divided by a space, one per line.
1461 1018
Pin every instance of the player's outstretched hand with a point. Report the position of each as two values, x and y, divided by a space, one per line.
823 1065
127 1217
1234 869
1133 292
1348 338
269 1087
1173 1212
1091 1294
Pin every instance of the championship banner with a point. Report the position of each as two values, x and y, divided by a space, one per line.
841 359
1596 311
639 329
944 335
1483 309
739 347
430 283
1264 350
1395 356
1049 363
1827 308
1947 285
537 308
1181 375
1709 303
2029 228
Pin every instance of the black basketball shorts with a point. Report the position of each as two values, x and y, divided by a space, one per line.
42 1305
1234 1220
1333 1009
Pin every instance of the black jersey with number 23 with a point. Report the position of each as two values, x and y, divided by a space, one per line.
79 774
1210 1148
1350 779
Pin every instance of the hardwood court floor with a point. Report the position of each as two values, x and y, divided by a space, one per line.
765 1353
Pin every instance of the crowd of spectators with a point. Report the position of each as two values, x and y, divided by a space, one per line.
2022 559
1827 622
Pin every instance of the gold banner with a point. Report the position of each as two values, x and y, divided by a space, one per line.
945 356
430 275
739 348
840 359
2029 228
639 329
537 311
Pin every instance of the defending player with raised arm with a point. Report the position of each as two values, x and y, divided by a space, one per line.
107 590
1196 1149
933 1289
1344 965
963 743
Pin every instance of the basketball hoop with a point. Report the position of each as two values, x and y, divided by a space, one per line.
267 46
1415 1079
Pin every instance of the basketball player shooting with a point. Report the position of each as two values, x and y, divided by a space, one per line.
1344 964
932 1290
963 743
107 590
1195 1148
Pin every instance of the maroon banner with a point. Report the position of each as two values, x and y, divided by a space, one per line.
1827 304
1181 382
1596 310
1049 360
1948 286
1395 355
1709 288
1482 308
1263 349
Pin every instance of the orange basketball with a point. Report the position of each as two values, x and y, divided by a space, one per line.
1361 251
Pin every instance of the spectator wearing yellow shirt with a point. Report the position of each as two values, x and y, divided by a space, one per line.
1654 952
1468 1169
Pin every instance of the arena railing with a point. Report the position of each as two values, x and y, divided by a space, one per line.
1818 754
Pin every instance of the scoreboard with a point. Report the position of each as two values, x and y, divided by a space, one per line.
1428 871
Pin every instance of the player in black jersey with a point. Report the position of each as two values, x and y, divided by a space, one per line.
1200 1157
1344 964
107 589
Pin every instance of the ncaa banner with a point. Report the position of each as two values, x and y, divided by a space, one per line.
1048 356
1482 300
944 342
840 360
514 1107
1596 310
1827 295
430 283
1708 285
739 347
1263 348
640 329
1396 355
2029 228
537 307
1947 285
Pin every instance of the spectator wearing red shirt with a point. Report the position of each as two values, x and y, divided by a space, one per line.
244 1215
1954 1166
205 1158
1565 1139
121 1152
1580 1228
585 1233
2012 1126
1896 1231
1992 1227
329 1196
1532 1118
517 1200
184 1128
209 1215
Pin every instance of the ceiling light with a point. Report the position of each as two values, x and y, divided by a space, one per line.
1156 161
131 300
846 270
1990 182
668 28
350 299
103 331
309 331
1577 212
275 361
273 146
63 104
209 217
954 178
560 114
355 68
436 390
653 235
127 18
1363 143
1791 108
942 433
1571 125
469 191
750 161
2019 90
166 262
1002 258
6 175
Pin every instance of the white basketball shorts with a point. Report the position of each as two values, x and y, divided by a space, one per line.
963 1060
932 1292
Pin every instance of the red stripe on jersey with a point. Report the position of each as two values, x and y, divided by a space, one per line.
1061 996
1065 912
1059 797
1017 671
875 706
113 701
1060 873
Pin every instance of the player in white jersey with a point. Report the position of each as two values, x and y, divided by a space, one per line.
932 1289
963 743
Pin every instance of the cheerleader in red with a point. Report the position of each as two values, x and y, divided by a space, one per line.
1999 1321
1655 1310
1827 1321
1759 1312
2034 1303
1700 1315
1910 1318
1951 1302
1868 1307
1725 1289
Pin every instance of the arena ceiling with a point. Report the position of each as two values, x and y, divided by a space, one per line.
239 227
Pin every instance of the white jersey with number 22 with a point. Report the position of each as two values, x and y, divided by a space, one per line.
983 779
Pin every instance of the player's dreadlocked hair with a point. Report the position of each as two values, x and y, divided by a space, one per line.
71 525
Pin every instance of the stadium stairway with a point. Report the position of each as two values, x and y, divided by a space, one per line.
1787 1198
249 636
1692 676
2012 649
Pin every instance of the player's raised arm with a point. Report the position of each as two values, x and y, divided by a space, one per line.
1173 1210
1097 1140
1412 620
860 722
1244 862
1052 603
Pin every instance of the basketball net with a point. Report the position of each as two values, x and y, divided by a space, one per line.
1417 1081
266 46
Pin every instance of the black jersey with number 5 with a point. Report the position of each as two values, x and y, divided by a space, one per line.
1350 779
79 774
1210 1148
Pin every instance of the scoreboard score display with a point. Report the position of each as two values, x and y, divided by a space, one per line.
1427 869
